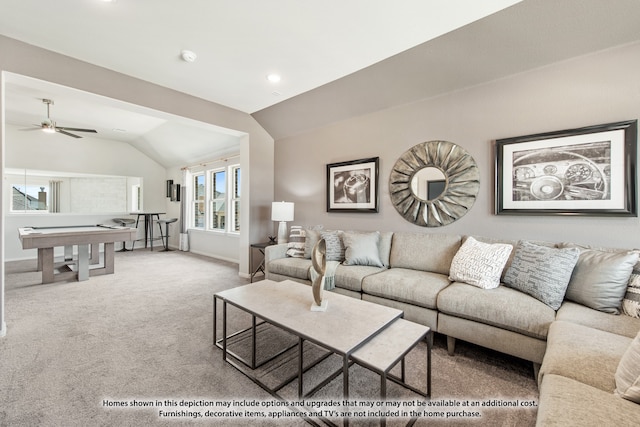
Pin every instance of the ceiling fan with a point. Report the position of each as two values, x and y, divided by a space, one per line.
50 126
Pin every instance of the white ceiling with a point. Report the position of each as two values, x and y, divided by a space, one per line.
238 43
337 58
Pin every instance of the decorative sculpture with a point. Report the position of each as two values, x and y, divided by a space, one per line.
319 262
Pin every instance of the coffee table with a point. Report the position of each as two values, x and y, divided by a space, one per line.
346 326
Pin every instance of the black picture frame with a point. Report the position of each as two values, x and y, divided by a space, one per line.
353 186
584 171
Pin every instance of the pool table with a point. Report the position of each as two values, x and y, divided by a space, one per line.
45 239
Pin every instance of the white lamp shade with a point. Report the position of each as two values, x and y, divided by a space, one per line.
282 211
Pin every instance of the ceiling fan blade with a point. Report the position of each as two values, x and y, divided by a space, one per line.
34 128
76 129
67 133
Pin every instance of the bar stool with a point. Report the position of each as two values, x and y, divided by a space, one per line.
125 222
166 222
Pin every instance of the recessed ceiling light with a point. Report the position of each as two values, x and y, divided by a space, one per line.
274 78
188 56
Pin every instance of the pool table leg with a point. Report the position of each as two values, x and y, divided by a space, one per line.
83 262
45 264
109 257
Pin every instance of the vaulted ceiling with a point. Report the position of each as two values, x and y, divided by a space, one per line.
336 59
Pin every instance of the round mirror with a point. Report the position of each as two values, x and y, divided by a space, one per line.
434 183
428 183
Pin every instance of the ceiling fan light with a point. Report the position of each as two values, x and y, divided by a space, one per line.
48 129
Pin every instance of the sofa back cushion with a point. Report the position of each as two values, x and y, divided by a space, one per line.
424 251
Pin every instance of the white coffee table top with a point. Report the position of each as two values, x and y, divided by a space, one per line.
344 326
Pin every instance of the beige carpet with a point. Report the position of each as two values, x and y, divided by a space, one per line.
74 350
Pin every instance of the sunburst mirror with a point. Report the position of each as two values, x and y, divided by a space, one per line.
434 183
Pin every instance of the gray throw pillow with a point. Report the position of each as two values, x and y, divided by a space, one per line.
335 248
542 272
628 373
600 279
311 238
361 249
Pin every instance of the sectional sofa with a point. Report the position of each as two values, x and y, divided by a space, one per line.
558 305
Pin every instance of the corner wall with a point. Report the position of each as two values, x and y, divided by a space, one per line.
599 88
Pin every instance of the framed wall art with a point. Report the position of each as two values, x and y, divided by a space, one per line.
353 186
585 171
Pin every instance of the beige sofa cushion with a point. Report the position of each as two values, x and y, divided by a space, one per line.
420 288
292 267
628 372
617 324
566 402
423 251
584 354
350 277
502 307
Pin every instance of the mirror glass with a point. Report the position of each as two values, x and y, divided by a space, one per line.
428 183
34 191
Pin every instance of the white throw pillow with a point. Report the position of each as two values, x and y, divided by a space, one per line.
628 372
480 264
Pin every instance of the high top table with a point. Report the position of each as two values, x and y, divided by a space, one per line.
148 225
347 325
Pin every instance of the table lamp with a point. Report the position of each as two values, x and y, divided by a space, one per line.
283 212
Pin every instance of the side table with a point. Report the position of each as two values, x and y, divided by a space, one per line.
260 247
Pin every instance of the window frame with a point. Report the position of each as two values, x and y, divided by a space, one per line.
231 199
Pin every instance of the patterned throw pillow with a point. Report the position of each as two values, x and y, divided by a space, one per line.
296 242
480 264
628 373
335 247
631 301
542 272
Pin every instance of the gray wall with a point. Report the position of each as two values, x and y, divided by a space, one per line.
599 88
20 58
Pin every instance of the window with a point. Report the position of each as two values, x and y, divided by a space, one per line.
216 199
235 198
198 201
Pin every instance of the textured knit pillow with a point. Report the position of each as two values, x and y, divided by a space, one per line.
295 246
542 272
335 248
600 279
631 300
479 264
628 372
361 249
